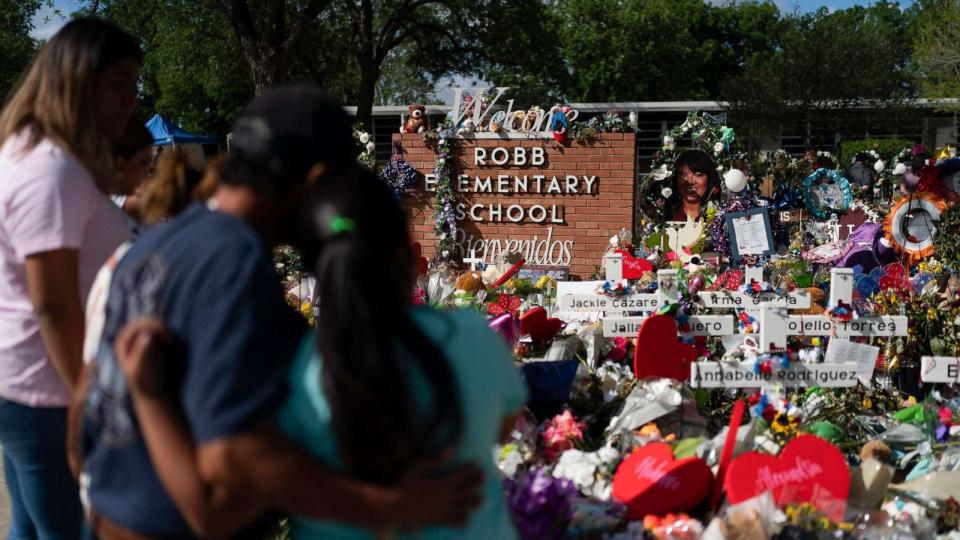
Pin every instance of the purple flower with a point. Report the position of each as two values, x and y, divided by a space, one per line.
540 504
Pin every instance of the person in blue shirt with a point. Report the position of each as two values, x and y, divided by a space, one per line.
380 385
216 465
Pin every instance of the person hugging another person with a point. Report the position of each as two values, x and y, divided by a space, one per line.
196 450
695 180
57 227
380 387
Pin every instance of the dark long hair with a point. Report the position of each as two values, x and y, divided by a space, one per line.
369 342
699 162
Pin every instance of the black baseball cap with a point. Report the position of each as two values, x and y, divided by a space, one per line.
281 134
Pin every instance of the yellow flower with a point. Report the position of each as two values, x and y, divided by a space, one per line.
867 403
544 282
931 314
785 425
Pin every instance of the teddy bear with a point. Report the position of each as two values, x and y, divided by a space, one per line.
530 120
468 128
417 119
515 123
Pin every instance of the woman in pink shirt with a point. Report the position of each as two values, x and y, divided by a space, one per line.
57 227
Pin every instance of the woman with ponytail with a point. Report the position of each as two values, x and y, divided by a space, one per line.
381 385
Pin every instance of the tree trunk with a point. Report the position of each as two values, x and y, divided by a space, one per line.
369 65
266 70
369 75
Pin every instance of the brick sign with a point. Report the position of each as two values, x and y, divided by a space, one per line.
557 204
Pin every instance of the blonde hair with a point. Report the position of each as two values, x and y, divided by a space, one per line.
54 97
176 184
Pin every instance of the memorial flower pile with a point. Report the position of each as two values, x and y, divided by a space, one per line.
799 331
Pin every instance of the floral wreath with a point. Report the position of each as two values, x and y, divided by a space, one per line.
709 134
398 174
894 229
887 175
815 206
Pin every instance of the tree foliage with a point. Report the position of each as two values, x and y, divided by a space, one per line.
937 51
206 58
828 69
18 47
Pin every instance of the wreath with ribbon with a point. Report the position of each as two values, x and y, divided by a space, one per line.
825 198
912 223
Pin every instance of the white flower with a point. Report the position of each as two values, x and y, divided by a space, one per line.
669 143
717 148
445 253
280 266
577 466
510 463
666 192
661 173
371 146
879 165
364 137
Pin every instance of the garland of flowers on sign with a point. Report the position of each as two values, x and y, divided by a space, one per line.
366 148
708 133
445 205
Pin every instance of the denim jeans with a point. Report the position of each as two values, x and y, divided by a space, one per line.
44 498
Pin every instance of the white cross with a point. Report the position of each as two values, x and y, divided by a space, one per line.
940 369
472 260
776 325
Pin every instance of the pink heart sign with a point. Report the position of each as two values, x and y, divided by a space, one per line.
651 481
809 469
659 353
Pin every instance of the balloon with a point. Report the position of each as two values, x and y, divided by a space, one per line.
735 180
508 327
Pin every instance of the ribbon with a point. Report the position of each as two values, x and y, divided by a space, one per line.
727 455
509 273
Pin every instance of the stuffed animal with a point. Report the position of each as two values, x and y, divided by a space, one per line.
417 119
558 123
470 282
515 123
530 120
469 127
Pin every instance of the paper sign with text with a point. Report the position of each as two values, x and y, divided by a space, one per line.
742 375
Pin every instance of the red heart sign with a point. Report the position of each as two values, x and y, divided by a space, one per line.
634 268
422 265
540 328
809 469
650 481
659 353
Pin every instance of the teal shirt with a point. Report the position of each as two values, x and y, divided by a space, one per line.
490 388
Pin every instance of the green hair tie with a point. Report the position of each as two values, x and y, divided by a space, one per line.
340 224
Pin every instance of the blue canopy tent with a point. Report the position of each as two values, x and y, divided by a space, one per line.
166 132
